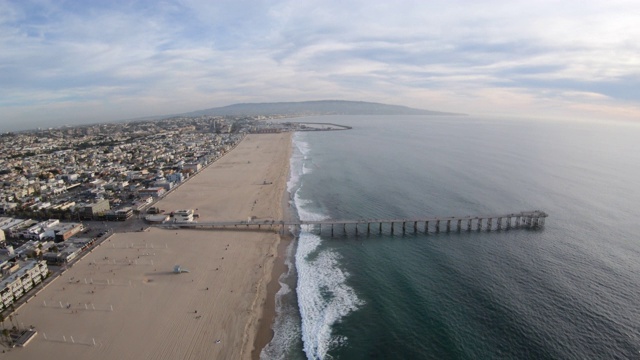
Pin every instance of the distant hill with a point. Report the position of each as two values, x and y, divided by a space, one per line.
322 107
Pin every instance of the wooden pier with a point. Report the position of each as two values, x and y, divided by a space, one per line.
522 220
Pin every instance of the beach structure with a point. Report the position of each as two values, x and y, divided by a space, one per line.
183 216
522 220
179 269
160 218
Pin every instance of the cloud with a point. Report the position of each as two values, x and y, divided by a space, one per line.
59 60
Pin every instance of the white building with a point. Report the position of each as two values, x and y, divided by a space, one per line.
181 216
40 230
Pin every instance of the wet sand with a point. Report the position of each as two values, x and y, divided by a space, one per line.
126 297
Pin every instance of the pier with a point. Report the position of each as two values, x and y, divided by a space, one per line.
522 220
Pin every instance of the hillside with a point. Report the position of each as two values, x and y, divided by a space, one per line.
322 107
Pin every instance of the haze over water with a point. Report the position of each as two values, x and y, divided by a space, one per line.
566 291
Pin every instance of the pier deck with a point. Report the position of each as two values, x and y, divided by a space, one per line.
526 219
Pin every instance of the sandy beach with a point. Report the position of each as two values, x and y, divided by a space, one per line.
123 300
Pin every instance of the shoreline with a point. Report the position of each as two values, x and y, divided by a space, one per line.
265 332
126 298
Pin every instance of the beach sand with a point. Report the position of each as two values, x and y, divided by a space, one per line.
125 296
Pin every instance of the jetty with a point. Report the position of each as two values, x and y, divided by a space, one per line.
522 220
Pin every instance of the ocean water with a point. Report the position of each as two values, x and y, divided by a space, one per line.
568 291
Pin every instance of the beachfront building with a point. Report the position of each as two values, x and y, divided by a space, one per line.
152 191
82 243
63 256
175 177
18 278
181 216
89 211
119 215
166 185
39 230
64 231
193 167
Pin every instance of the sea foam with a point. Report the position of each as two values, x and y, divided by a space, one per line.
286 325
324 298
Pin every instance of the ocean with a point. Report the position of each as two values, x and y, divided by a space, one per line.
567 291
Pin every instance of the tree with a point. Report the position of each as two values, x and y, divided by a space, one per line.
6 333
11 317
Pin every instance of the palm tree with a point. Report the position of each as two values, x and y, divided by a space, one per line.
11 318
5 333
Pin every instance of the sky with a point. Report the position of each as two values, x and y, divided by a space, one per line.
88 61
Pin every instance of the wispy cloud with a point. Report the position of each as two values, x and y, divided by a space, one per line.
77 61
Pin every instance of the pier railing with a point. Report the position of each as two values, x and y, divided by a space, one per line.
522 220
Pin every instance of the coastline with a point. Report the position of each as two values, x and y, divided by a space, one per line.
127 299
265 333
